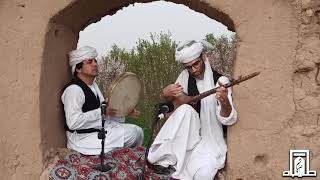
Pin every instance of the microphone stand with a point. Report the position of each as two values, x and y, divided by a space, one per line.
156 119
102 135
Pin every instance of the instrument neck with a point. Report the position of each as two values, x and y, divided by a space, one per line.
232 83
208 93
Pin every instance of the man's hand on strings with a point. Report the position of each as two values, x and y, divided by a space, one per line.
111 111
222 94
222 97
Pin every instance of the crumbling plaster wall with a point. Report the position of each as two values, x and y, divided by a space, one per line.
281 111
305 129
22 32
278 110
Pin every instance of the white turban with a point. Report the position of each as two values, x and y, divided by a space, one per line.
191 50
81 54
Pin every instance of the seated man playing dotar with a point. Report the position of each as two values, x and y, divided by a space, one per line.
81 100
191 140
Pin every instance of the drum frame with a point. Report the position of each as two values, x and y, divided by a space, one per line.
119 79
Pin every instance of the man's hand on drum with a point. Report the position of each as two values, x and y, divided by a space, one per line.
110 111
134 113
172 90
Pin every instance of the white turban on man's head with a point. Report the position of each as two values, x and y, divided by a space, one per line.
81 54
191 50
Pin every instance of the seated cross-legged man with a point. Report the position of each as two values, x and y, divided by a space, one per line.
191 140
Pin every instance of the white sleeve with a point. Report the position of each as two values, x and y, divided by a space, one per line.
183 80
232 118
96 87
73 99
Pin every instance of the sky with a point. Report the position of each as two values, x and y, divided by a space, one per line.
139 20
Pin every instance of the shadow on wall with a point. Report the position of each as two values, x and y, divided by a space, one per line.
54 75
62 37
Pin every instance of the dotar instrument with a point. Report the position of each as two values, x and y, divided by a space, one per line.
192 100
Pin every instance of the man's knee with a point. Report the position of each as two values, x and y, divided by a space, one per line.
133 136
205 173
137 134
186 108
140 135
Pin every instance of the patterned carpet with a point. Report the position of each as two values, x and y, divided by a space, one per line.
76 166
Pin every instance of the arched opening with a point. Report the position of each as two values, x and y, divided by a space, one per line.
61 37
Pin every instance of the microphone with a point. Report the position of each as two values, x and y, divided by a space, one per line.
103 108
165 107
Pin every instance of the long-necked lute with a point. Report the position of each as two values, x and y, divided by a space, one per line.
192 100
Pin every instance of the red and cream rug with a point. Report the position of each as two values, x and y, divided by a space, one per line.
123 162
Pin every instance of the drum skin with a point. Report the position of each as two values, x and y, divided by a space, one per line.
124 93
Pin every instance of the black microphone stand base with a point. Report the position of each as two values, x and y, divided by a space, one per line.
102 168
102 135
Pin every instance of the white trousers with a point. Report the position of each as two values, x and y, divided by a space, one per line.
179 144
133 135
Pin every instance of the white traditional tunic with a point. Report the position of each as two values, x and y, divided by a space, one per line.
195 147
118 134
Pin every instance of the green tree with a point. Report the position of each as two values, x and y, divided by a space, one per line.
111 66
223 55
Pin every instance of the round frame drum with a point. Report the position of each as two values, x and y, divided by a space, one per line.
124 93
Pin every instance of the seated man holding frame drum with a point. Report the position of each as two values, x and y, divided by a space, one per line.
81 100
